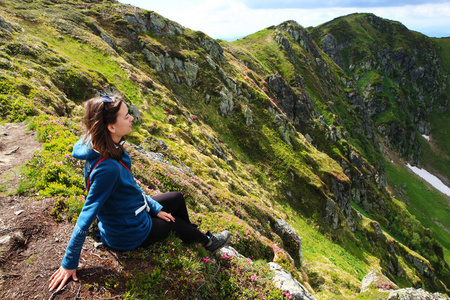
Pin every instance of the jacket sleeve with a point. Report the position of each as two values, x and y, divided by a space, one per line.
154 206
104 182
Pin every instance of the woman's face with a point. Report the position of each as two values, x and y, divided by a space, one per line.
123 124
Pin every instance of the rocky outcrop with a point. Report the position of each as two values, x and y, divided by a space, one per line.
284 281
298 107
330 46
301 36
9 26
415 294
292 241
376 280
248 114
218 150
145 21
212 47
405 79
402 139
178 70
226 106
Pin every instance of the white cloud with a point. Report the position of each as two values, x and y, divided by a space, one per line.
233 18
270 4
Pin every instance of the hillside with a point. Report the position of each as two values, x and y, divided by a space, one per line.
309 127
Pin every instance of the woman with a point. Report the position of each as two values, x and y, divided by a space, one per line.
127 218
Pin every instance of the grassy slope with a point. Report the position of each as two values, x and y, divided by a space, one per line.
426 203
325 260
437 158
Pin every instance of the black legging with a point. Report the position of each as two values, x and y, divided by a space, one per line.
173 203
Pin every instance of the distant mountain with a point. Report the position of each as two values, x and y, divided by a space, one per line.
302 121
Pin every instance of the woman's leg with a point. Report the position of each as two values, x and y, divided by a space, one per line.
160 230
173 202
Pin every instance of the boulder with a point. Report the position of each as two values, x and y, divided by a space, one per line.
414 294
290 237
229 251
284 281
248 116
376 280
226 106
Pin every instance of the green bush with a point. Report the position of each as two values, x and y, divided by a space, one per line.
53 171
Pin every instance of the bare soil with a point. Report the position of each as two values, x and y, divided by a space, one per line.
32 243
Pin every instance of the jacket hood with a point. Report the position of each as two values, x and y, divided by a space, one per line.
83 150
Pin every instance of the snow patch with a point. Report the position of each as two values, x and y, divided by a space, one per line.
431 179
427 137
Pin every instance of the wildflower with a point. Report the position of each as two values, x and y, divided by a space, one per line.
166 261
207 259
253 277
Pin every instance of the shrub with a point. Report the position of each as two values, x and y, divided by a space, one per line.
53 171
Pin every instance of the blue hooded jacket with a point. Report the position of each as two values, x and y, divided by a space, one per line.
115 200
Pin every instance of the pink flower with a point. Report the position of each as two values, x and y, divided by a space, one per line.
253 277
207 259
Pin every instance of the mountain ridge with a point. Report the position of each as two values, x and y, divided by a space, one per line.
282 109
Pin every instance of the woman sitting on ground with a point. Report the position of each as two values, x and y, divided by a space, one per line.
127 218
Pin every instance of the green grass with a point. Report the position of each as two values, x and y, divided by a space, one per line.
444 44
432 156
94 58
427 204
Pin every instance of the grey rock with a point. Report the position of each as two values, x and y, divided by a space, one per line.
414 294
191 72
284 281
373 278
331 213
5 239
212 47
289 236
9 26
226 106
248 116
133 110
229 252
298 107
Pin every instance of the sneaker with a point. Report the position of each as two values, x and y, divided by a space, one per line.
217 241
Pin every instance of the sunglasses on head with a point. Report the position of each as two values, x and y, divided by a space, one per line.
106 99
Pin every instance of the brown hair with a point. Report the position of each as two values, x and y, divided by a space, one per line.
97 117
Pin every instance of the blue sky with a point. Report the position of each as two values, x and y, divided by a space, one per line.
230 19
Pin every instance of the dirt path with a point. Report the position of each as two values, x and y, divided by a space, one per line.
32 244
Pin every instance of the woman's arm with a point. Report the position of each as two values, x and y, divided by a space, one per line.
103 184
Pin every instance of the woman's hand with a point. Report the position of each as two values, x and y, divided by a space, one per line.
62 275
165 216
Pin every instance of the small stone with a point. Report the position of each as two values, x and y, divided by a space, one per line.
18 212
5 239
20 237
